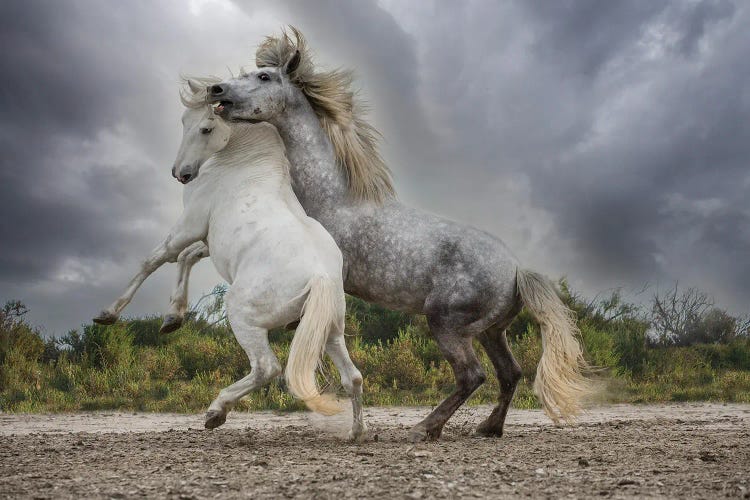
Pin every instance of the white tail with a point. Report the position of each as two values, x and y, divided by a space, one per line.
321 313
559 384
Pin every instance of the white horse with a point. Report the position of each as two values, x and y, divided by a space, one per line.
281 264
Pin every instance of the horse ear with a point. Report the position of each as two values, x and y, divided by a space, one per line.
194 86
293 63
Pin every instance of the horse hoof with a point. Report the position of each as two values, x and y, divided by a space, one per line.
488 432
357 435
105 318
171 323
214 419
420 434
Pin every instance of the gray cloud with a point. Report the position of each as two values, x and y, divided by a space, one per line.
90 125
607 141
605 112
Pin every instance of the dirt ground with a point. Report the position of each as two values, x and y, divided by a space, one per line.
675 451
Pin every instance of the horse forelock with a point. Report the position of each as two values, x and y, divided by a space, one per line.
196 99
341 115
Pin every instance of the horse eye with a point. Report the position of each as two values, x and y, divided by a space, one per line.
264 77
206 130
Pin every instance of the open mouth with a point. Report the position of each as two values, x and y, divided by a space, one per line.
222 107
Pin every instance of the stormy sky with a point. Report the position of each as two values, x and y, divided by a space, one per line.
608 142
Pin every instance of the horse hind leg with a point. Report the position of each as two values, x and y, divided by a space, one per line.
467 370
178 301
351 379
508 373
265 367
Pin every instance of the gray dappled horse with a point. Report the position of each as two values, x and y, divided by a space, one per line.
464 280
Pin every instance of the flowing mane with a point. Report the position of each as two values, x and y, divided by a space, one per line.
196 97
341 115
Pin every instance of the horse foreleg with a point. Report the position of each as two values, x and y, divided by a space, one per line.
178 301
351 379
167 251
265 367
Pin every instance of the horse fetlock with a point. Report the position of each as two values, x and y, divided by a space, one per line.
358 433
178 305
224 402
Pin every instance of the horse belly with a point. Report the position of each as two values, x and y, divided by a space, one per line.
401 259
390 275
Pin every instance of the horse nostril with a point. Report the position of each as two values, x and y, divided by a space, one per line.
174 173
216 90
186 177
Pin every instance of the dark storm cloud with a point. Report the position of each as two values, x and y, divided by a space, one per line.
57 90
606 111
606 141
90 123
683 133
585 35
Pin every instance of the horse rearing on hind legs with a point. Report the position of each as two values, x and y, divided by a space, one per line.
281 264
464 280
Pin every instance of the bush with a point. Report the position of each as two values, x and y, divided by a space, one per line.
131 366
376 323
145 331
18 336
200 354
528 351
631 348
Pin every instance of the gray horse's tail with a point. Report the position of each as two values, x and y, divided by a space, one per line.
560 384
321 312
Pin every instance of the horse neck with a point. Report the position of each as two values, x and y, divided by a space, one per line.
257 148
317 179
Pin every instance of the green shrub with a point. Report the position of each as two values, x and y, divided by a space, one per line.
145 331
17 335
630 346
599 346
398 365
528 351
376 323
199 353
131 366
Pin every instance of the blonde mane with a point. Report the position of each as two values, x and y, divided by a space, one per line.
330 93
196 98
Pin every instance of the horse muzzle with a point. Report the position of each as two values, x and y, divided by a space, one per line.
186 174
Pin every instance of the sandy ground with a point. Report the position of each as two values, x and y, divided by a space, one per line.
674 451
